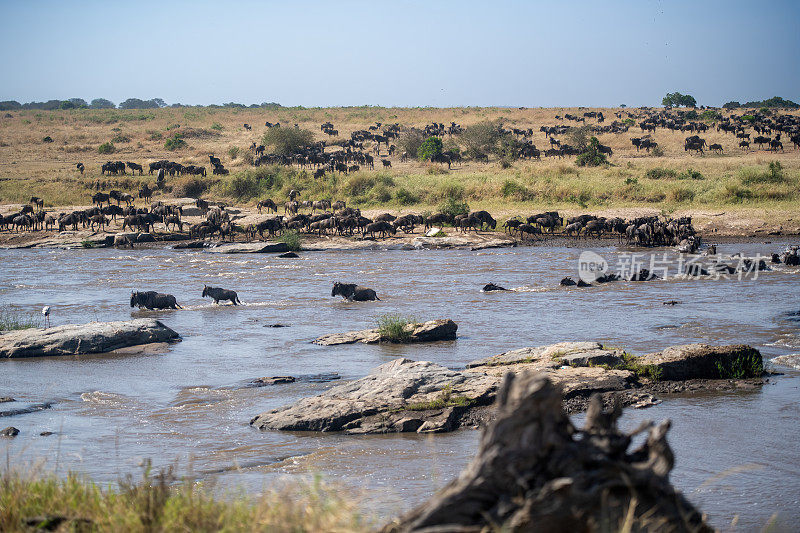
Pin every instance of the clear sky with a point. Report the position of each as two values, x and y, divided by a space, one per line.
401 53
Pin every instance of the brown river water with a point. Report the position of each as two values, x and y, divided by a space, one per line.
737 453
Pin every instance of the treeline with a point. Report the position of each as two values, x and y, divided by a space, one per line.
102 103
775 101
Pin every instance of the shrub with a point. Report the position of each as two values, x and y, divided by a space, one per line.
454 206
445 399
658 173
189 187
243 187
155 136
681 194
430 148
359 184
175 142
392 327
772 174
292 239
233 152
106 148
12 319
691 115
737 194
480 139
512 189
216 126
657 151
592 156
690 174
744 366
121 139
411 141
287 141
381 193
405 197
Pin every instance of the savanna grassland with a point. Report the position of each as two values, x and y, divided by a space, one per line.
724 190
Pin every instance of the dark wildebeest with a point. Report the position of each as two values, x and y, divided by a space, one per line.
80 167
268 204
153 300
353 292
38 202
218 294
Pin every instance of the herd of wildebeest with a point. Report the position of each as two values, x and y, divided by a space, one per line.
326 217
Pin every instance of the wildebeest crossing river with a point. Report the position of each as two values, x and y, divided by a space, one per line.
190 405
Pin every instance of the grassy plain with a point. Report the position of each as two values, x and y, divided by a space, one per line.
737 183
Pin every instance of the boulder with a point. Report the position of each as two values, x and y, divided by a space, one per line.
145 237
535 472
76 339
249 248
192 245
274 380
289 255
10 431
401 395
550 356
430 331
701 361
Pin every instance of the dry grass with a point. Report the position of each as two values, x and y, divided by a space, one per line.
158 503
30 167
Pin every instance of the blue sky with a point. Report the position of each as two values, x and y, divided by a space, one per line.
401 53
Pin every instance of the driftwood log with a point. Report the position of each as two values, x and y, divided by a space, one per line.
535 472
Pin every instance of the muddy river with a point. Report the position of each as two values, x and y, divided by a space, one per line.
190 405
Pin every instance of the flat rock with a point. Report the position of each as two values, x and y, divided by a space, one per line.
430 331
250 248
550 356
398 396
274 380
701 361
76 339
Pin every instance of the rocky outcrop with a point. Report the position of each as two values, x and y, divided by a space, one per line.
249 248
398 396
701 361
535 472
10 431
431 331
76 339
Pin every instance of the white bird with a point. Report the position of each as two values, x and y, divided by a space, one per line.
46 314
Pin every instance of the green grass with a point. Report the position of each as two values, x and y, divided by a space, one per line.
744 366
446 398
11 319
392 327
161 503
292 239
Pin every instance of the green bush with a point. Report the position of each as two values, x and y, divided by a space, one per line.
744 366
480 139
175 142
106 148
189 187
244 187
430 148
155 136
591 157
512 189
121 139
233 152
658 173
772 174
737 194
216 126
681 194
392 327
405 197
359 184
292 239
690 174
287 141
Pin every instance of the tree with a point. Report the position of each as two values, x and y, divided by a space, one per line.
677 99
287 141
102 103
731 105
136 103
429 149
591 156
481 139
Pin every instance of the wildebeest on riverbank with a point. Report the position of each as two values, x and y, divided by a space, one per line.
353 292
153 300
217 294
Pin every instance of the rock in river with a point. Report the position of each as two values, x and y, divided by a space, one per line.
76 339
433 330
701 361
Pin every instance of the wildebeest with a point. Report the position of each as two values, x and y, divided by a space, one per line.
268 204
134 167
353 292
217 294
38 202
153 300
80 167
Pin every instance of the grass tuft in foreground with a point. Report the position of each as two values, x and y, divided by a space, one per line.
12 319
392 327
446 398
159 503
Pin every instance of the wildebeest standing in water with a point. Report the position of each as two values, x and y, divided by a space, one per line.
220 294
153 300
353 292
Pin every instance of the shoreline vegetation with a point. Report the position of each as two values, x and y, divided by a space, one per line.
743 181
161 502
